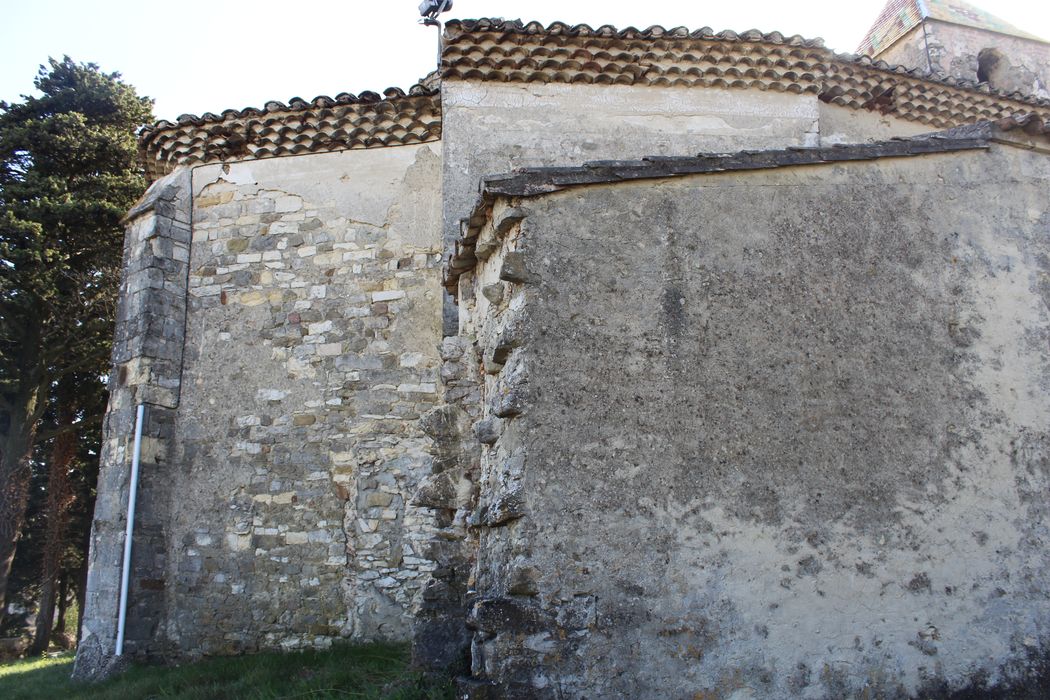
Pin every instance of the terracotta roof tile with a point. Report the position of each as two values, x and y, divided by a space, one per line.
897 18
347 121
1029 123
513 51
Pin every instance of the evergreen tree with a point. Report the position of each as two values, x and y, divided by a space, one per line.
67 176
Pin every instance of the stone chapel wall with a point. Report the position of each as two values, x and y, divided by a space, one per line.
1017 64
307 478
281 320
311 352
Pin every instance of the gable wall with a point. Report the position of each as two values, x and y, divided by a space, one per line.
910 50
492 128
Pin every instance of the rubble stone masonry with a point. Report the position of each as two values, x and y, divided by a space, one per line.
312 333
311 354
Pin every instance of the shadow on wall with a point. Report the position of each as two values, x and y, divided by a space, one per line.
1029 680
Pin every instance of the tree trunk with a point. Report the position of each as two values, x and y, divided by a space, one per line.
15 445
44 617
63 604
81 585
59 499
20 411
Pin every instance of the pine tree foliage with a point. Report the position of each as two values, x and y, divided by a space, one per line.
67 175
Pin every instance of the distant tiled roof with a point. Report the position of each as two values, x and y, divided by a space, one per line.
899 17
966 14
896 19
368 120
530 182
512 51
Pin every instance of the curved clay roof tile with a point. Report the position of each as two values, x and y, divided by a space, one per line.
275 128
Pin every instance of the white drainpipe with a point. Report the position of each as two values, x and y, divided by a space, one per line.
133 488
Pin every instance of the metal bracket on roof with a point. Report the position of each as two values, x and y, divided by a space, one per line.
429 11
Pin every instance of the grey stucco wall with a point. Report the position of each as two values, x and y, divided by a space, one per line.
771 434
492 128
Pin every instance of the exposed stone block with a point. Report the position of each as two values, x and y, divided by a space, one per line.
444 490
494 292
506 219
444 422
506 508
523 580
510 396
488 431
513 268
509 339
508 616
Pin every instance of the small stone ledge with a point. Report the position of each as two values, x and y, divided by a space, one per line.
510 397
514 269
488 431
448 490
505 509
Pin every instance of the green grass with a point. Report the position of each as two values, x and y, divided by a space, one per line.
376 671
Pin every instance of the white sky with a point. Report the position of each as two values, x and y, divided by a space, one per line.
195 56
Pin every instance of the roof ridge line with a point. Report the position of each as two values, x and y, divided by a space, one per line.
295 104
